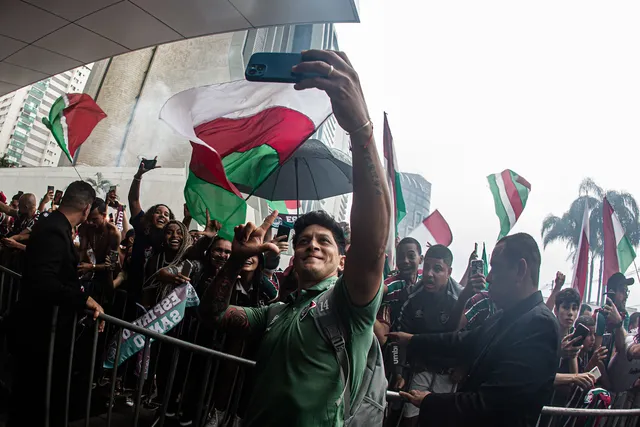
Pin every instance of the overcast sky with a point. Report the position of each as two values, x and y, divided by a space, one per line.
548 89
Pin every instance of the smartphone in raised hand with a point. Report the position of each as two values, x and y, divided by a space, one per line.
57 198
149 163
274 67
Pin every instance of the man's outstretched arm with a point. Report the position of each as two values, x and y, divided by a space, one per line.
214 308
371 204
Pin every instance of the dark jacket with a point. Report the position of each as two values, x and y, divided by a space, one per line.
49 278
513 359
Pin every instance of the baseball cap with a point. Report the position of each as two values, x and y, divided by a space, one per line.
617 280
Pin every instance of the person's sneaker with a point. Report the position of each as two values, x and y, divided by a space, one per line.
186 422
129 401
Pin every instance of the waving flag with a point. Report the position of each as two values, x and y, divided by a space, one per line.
581 260
618 250
71 120
510 192
240 133
433 229
398 209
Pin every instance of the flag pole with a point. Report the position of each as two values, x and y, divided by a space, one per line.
636 267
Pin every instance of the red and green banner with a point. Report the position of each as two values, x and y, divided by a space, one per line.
240 133
71 120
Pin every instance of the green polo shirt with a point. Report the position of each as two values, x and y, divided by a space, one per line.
297 374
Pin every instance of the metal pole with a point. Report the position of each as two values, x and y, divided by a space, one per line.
297 189
171 340
69 369
141 378
167 393
92 366
203 392
52 343
114 376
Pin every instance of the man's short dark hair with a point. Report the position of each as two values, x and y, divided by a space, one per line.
17 196
99 204
411 241
522 246
587 321
322 219
567 296
584 307
440 252
78 195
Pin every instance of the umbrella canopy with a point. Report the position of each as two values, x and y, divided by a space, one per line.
313 172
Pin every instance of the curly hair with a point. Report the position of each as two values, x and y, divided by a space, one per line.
147 218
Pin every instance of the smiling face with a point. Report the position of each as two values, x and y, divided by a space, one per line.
408 260
161 216
316 255
173 236
220 252
250 264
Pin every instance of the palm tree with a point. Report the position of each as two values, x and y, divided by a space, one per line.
567 227
100 184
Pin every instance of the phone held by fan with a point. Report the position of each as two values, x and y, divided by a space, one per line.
57 198
284 230
275 67
149 163
186 269
582 332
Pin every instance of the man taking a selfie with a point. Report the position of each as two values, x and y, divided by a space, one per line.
298 378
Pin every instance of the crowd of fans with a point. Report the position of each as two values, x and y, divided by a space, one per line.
481 351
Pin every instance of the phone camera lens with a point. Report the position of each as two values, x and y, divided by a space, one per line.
261 67
252 72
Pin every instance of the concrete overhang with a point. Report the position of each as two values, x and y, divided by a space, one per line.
42 38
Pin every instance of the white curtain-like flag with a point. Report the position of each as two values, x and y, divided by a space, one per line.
581 260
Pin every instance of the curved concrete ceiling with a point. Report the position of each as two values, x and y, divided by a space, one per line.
41 38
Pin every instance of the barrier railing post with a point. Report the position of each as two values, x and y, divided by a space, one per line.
52 344
114 375
141 379
69 369
92 367
167 394
202 393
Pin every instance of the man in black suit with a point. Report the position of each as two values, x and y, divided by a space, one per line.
50 278
512 358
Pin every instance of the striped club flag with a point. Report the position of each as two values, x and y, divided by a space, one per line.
434 229
398 209
618 250
581 260
510 192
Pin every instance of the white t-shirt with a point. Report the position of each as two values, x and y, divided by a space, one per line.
623 371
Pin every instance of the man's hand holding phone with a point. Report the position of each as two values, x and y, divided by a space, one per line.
585 380
612 313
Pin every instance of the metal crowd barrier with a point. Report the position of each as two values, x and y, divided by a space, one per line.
137 415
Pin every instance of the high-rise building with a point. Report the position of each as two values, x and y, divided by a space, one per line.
132 88
23 137
416 191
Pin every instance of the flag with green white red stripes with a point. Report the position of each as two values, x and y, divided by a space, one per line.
71 120
510 193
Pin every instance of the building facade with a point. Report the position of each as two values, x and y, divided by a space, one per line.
23 137
132 88
416 191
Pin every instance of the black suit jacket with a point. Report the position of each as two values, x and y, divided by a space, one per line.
513 359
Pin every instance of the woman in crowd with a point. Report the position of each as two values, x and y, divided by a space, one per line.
149 234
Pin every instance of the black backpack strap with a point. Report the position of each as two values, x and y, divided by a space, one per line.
329 325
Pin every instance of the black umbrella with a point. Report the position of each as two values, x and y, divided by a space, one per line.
313 172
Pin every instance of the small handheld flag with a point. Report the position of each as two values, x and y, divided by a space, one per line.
510 192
